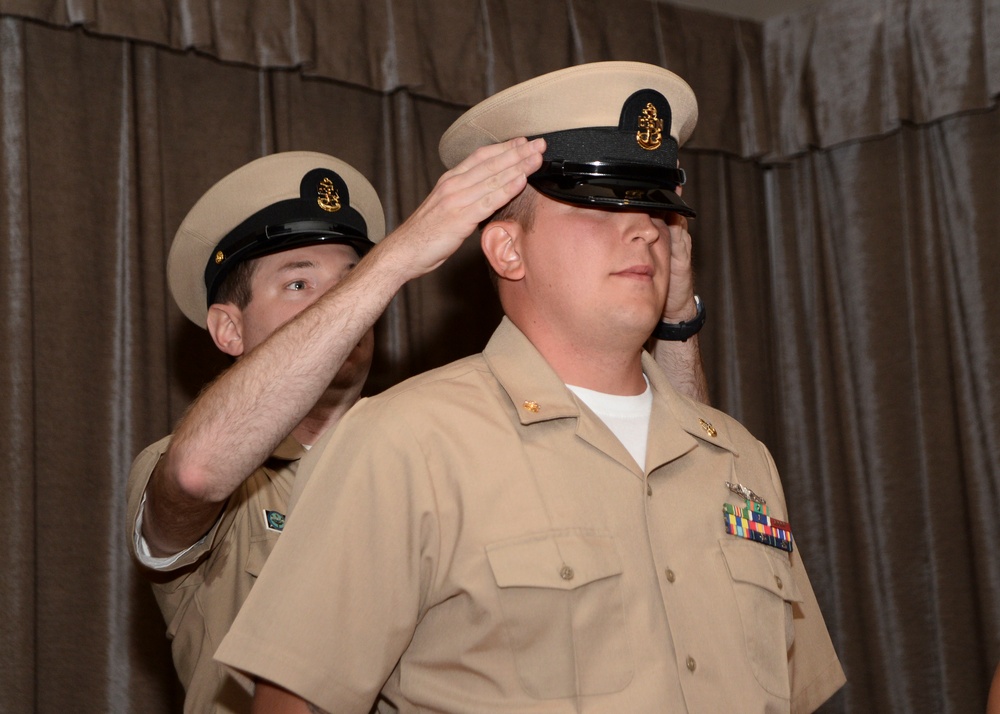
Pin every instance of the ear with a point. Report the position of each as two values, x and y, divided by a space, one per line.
225 325
501 242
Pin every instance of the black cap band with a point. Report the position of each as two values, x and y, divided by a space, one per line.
322 214
632 165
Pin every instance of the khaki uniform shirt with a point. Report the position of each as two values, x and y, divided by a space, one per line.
202 591
481 542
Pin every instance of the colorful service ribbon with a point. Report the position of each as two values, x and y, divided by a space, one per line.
751 521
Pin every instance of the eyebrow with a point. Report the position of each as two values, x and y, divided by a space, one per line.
295 265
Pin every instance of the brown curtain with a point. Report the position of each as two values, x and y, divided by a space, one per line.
844 172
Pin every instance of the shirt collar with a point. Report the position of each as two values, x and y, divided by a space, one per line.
534 388
699 420
289 450
538 394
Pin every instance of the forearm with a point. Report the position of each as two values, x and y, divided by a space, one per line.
236 423
681 359
683 366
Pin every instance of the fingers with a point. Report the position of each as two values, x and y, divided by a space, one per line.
462 198
495 157
680 241
680 292
491 176
676 219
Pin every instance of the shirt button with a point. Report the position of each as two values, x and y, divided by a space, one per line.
777 581
566 573
649 490
670 575
691 664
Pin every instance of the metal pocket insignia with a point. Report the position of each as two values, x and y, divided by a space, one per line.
275 521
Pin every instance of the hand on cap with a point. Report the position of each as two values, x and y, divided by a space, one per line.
463 197
680 304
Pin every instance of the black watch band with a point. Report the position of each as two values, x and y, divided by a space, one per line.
681 331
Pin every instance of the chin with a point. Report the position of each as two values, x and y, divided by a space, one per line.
628 335
640 321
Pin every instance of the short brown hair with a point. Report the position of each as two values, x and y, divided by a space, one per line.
520 209
237 287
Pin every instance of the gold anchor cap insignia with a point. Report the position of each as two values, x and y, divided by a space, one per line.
327 197
219 256
531 406
650 134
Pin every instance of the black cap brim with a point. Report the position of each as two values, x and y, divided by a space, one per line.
613 185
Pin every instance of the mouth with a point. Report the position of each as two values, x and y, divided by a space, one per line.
639 272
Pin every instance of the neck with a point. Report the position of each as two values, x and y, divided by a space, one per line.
614 367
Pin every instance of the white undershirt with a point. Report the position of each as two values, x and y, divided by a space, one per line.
142 547
626 417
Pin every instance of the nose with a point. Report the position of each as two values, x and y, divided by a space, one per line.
640 226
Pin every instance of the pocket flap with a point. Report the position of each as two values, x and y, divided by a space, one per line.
564 561
258 552
750 562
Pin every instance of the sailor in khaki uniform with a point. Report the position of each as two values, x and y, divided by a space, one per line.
276 207
269 261
201 589
548 526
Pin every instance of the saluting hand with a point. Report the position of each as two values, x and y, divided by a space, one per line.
463 197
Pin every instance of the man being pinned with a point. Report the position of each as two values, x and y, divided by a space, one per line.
536 528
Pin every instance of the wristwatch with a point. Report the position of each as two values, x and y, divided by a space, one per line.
681 331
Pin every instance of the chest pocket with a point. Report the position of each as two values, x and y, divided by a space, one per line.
261 540
765 589
560 594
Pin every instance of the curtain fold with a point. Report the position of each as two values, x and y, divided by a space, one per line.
853 69
16 374
844 173
888 404
834 72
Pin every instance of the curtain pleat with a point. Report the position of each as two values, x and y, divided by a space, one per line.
17 383
851 69
833 72
888 431
844 173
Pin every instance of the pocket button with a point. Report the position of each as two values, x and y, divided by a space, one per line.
566 573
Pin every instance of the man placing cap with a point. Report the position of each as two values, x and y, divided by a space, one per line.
542 527
278 238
